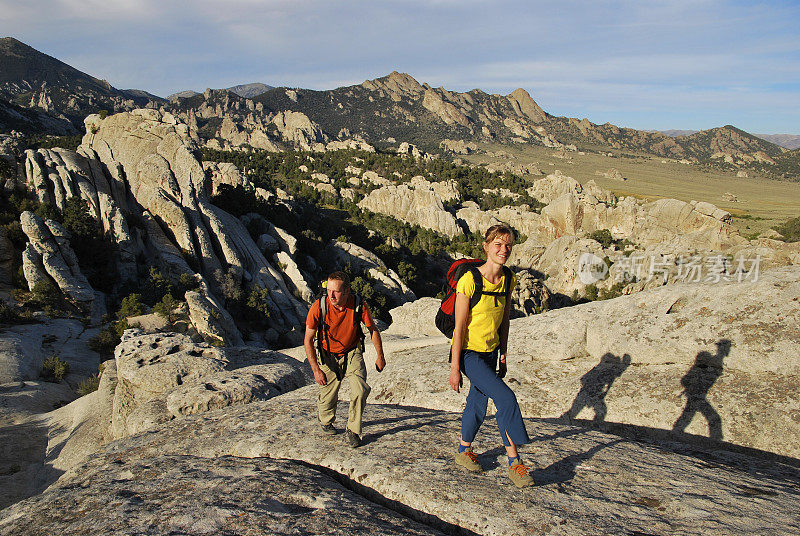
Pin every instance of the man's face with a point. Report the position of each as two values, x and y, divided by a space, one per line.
338 292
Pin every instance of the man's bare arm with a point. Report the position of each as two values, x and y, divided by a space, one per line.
311 354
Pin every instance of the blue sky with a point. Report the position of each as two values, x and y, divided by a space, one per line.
645 64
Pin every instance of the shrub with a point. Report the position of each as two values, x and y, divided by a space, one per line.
8 315
47 295
156 287
88 385
54 369
131 305
165 307
790 230
603 236
105 341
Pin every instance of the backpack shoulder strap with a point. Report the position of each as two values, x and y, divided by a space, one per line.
509 276
322 331
478 278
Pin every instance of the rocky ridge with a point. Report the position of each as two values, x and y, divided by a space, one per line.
239 417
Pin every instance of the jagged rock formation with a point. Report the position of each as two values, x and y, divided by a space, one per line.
420 206
49 255
142 165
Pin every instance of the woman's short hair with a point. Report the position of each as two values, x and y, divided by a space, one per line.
499 229
340 276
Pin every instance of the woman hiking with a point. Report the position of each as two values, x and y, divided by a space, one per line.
479 338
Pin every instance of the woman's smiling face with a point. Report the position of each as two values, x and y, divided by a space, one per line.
498 250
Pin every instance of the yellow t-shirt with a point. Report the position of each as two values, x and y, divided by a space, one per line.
483 320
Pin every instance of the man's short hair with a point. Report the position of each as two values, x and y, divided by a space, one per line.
340 276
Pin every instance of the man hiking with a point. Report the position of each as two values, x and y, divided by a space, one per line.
334 320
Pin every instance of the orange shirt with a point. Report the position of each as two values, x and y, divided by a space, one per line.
341 333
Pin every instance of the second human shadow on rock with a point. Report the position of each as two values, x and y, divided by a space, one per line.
595 385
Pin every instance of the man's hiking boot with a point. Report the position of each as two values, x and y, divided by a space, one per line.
468 460
518 474
352 439
328 429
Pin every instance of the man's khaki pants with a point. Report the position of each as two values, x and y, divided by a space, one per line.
359 390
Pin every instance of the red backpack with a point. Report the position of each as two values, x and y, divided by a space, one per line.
445 316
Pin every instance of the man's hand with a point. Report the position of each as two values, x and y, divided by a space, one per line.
455 380
502 369
319 377
380 363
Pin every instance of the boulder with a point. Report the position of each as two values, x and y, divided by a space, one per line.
164 376
210 319
414 206
50 242
415 319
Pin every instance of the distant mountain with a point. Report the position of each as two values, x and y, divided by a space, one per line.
675 133
790 141
31 79
183 94
249 91
246 91
787 141
140 93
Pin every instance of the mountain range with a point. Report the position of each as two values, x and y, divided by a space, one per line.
41 94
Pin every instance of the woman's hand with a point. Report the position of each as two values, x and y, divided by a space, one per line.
455 379
502 369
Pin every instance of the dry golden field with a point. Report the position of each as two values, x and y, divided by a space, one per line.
762 203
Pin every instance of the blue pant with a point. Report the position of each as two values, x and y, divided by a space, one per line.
484 384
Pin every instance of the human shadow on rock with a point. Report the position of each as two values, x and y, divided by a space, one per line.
565 469
415 422
595 385
696 383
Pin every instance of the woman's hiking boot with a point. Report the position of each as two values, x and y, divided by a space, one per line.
353 439
519 475
468 460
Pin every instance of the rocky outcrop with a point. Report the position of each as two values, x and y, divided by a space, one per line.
49 252
210 319
446 190
297 128
415 319
553 186
23 349
153 155
55 175
525 106
530 296
163 376
338 254
421 207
